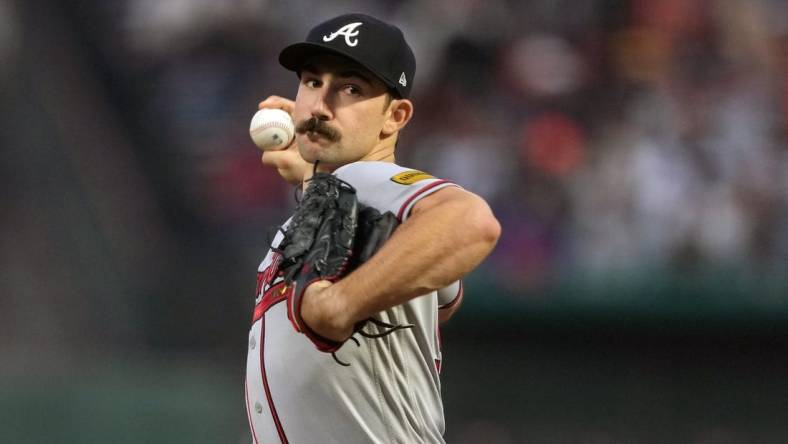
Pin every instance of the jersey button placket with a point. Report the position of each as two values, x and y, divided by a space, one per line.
258 407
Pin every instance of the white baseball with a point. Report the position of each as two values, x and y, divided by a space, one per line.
272 129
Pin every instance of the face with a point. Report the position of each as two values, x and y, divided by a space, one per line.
340 112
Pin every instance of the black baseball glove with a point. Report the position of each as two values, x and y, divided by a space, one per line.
329 235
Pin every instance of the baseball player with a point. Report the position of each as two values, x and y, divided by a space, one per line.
355 76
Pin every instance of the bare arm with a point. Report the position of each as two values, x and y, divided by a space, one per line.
447 235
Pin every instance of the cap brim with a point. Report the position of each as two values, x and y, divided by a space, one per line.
294 57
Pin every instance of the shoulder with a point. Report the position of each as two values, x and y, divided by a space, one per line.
377 174
372 170
388 186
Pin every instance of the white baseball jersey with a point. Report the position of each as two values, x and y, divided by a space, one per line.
390 393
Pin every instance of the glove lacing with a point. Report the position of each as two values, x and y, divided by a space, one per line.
391 329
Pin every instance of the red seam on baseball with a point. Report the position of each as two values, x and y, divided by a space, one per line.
271 125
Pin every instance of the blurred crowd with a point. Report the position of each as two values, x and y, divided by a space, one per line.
608 135
613 139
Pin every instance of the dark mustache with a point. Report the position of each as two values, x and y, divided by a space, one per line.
315 125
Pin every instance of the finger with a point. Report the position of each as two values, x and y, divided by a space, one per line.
272 102
278 103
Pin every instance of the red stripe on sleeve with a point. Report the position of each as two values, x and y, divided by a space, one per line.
405 205
456 299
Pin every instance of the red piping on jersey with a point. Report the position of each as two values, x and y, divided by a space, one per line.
401 211
271 406
273 296
249 412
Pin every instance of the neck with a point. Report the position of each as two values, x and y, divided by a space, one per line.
382 152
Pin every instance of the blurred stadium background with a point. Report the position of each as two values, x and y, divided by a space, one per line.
634 150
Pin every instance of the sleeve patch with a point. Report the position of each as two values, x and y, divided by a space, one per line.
410 177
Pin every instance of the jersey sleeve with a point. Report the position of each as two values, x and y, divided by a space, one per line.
390 187
449 296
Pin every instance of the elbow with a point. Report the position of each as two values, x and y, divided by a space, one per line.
485 225
492 230
489 230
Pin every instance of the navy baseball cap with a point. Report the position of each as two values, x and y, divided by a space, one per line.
376 45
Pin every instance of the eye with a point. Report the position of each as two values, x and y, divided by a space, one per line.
353 90
311 82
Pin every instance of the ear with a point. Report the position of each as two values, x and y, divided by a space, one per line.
398 115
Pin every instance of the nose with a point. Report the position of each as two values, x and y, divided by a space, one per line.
321 107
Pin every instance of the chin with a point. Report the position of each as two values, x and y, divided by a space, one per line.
318 154
307 153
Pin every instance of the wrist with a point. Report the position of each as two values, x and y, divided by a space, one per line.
347 310
324 312
335 303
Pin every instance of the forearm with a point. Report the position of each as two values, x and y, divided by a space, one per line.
432 249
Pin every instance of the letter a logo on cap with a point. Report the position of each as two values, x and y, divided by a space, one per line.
402 80
349 31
